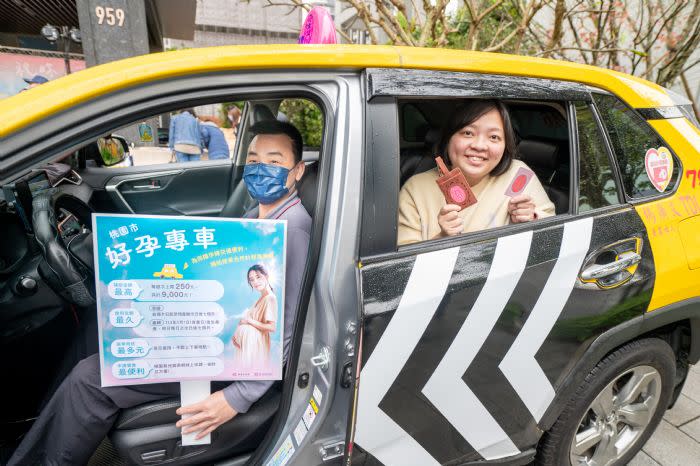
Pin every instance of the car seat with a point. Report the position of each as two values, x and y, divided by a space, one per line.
415 160
240 201
146 434
545 159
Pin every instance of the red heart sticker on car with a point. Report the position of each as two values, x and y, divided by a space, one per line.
659 167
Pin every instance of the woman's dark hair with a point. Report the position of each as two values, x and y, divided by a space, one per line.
466 114
257 268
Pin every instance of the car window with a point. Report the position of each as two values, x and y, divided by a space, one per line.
596 179
193 134
307 117
540 168
209 132
635 145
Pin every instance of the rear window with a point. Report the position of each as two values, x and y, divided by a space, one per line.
597 181
636 145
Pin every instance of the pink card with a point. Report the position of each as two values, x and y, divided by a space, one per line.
520 181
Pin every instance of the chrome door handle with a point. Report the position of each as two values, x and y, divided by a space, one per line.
146 186
624 261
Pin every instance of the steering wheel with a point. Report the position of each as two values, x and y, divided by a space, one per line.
67 268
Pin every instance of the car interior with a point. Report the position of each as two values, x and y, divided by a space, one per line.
47 243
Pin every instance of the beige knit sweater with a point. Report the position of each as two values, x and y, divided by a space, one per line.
420 201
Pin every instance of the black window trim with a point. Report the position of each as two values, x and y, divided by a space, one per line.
380 184
401 82
574 157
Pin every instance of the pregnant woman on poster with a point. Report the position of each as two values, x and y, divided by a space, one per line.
252 336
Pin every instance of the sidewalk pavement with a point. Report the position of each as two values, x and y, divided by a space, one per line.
676 441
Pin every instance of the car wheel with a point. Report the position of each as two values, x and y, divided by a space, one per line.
615 410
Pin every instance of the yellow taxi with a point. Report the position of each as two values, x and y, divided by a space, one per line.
560 341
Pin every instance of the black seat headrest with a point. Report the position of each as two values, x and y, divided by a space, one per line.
432 137
539 154
308 187
262 113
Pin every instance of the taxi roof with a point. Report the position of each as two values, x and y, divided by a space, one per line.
21 110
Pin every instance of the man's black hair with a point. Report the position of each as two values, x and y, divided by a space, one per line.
273 127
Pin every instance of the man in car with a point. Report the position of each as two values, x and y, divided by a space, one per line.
81 412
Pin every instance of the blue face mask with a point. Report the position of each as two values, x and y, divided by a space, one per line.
266 183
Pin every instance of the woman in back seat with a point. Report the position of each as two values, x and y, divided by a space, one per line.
480 141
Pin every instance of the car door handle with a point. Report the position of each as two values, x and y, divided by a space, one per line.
624 261
154 185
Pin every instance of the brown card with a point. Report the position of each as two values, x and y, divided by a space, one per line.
454 186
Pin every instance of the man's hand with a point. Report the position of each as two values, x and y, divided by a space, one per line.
450 223
206 415
521 209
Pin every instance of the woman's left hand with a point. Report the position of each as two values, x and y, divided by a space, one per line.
244 321
521 209
206 415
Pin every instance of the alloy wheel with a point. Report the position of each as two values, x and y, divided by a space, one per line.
616 418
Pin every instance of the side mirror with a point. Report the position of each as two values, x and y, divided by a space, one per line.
112 150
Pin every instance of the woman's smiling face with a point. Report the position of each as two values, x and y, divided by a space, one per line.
257 280
478 147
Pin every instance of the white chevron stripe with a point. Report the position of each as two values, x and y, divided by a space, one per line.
446 389
519 366
376 432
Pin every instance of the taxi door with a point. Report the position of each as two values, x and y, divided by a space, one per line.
468 342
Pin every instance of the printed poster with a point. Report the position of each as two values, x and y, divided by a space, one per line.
189 298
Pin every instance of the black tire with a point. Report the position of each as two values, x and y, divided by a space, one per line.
555 446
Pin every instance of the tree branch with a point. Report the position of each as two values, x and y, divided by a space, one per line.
583 49
384 11
362 10
557 31
431 19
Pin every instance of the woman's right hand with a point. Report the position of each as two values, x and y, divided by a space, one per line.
450 222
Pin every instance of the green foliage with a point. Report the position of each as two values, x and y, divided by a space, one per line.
499 24
302 113
402 21
307 118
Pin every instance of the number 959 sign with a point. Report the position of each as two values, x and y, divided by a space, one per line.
110 16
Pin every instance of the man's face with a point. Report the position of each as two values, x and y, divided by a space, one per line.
276 150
